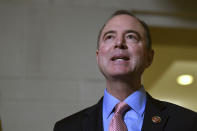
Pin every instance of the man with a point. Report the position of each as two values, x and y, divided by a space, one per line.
124 52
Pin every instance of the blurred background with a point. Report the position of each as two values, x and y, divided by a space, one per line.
48 66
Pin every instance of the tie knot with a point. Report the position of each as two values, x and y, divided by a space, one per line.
121 108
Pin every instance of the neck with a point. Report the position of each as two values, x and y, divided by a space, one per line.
121 89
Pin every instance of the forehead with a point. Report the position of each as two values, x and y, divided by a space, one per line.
123 22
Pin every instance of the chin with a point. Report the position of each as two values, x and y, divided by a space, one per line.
119 74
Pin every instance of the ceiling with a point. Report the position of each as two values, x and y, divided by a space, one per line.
162 13
175 54
167 89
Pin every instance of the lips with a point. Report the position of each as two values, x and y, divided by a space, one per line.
120 57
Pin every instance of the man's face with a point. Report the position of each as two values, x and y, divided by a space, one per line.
122 48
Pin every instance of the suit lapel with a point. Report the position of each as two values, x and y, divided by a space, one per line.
154 109
93 118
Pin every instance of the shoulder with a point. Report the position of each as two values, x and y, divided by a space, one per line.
170 108
67 123
181 118
177 113
174 109
178 117
77 120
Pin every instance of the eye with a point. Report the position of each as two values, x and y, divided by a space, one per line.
107 37
131 38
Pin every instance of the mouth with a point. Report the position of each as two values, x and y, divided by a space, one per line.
120 57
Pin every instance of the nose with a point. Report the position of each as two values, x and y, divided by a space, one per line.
120 43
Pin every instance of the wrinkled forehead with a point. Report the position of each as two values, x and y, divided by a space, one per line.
121 23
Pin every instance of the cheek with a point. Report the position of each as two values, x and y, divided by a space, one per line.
138 55
135 50
102 54
104 51
104 47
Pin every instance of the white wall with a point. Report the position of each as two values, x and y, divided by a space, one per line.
48 64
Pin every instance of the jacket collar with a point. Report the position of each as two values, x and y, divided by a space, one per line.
155 115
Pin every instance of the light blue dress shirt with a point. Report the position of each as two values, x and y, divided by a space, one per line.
134 117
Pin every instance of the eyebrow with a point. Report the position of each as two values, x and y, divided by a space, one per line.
127 31
108 32
133 31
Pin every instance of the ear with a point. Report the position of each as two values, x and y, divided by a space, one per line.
150 57
97 52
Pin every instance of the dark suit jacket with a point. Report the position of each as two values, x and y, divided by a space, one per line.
173 118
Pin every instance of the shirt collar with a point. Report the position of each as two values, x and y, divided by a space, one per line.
109 102
137 101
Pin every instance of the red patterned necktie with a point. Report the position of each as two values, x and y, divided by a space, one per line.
117 123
